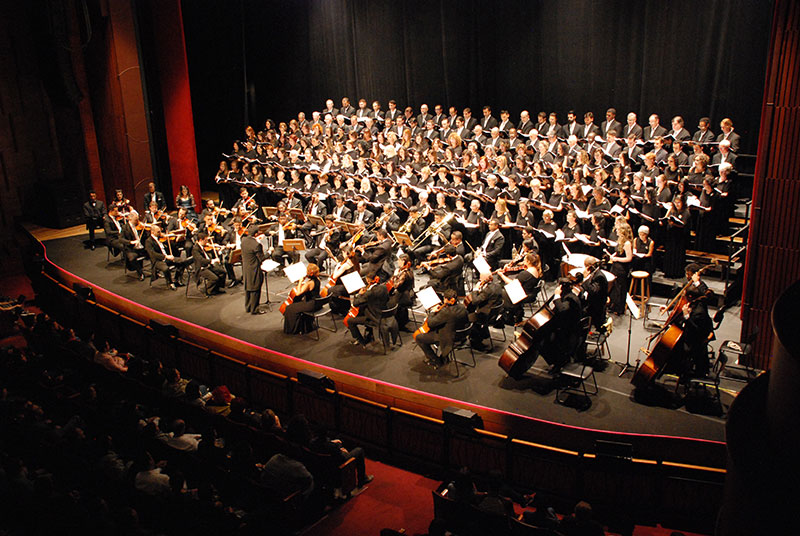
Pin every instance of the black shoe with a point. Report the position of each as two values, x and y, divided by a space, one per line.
366 480
231 283
172 286
92 247
258 312
141 277
218 291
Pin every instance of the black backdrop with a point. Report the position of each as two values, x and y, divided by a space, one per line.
254 59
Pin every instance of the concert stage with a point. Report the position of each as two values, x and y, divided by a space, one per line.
613 409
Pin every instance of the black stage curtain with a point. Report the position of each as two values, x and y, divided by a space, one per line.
254 59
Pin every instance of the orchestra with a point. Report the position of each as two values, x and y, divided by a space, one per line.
410 201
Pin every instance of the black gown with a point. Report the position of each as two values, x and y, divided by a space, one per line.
302 304
675 240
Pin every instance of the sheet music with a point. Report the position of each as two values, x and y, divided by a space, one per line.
352 282
295 272
481 265
428 297
515 291
268 265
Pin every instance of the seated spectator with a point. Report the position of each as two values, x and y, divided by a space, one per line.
493 502
462 488
322 444
178 439
109 359
149 479
544 516
270 422
286 476
220 402
580 523
175 386
242 414
194 396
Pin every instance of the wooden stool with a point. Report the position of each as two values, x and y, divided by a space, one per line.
640 295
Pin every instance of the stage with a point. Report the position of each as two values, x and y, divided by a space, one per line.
613 409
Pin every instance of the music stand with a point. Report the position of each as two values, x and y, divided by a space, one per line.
236 256
315 220
294 244
269 211
297 213
268 265
635 313
402 238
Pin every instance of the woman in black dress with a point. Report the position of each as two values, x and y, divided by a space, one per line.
621 266
643 249
676 223
306 292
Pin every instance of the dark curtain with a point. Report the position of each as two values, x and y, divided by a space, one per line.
689 58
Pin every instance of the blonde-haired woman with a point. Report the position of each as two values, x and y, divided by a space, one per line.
621 266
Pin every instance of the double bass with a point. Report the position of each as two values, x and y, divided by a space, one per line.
520 354
667 342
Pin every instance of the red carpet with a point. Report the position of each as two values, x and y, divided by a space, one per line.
396 499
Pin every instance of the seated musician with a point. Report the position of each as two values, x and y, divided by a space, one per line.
390 221
563 341
112 226
697 327
207 266
341 212
244 200
306 292
163 260
94 212
448 273
340 301
595 292
457 241
327 239
487 295
492 245
442 323
373 260
286 228
181 222
134 234
402 292
437 238
155 215
529 278
371 301
692 276
233 242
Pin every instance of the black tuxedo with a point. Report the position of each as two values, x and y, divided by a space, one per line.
368 218
133 251
595 297
493 248
470 123
94 212
158 197
252 276
422 119
158 256
571 128
343 213
443 325
636 130
614 125
205 268
733 137
112 229
372 261
586 129
650 134
703 137
488 123
525 127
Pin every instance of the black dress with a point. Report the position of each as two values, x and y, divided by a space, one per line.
675 246
293 321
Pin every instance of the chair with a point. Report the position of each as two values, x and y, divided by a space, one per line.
640 287
575 374
154 273
598 338
495 317
742 351
140 258
461 342
322 307
710 380
388 316
110 257
191 274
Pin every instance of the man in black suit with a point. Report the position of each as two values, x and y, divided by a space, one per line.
654 129
329 238
422 118
588 126
448 275
438 114
463 132
393 113
611 124
371 301
632 127
451 118
134 240
346 110
723 154
94 211
697 326
571 128
252 275
330 109
525 123
113 228
633 151
611 147
492 246
362 214
283 231
431 132
726 125
542 125
377 113
469 121
564 338
153 195
679 133
340 211
210 272
595 292
553 127
703 134
373 261
363 112
505 123
487 295
442 325
488 122
163 261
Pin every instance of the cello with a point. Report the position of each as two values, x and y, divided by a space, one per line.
290 298
353 312
667 342
520 354
425 328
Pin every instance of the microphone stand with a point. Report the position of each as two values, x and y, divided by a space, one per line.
633 312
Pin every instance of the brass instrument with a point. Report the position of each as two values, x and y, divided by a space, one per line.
406 227
436 227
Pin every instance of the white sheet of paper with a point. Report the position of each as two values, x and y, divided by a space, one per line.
352 282
515 291
263 240
428 297
295 272
268 265
632 306
481 265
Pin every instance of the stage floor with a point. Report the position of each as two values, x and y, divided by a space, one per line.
613 409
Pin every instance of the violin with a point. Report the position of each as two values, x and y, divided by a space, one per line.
187 224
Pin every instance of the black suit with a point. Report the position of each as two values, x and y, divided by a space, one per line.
372 261
703 137
205 268
252 276
93 213
470 123
650 134
569 129
443 325
158 256
158 197
368 217
563 340
636 130
615 125
112 229
494 248
370 304
342 213
595 297
133 251
733 137
483 300
448 276
488 123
